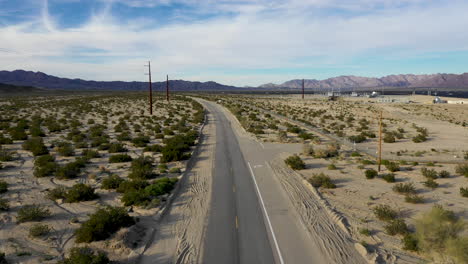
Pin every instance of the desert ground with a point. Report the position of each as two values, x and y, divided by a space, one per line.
425 147
70 163
65 157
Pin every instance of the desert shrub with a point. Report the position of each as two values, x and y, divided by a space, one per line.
365 231
85 255
45 169
135 197
355 154
140 141
358 138
389 177
438 233
3 186
367 162
385 212
161 186
153 148
5 155
90 154
444 174
321 180
332 166
419 138
43 160
404 188
177 145
307 149
389 138
175 170
142 168
57 193
414 198
5 140
39 230
370 173
80 192
396 227
392 166
102 224
65 149
331 150
429 173
464 192
4 205
430 183
18 134
3 259
68 171
136 184
36 146
410 242
116 148
462 169
295 162
33 212
120 158
305 135
124 136
111 182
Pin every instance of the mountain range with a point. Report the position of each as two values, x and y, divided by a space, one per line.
42 80
346 83
449 82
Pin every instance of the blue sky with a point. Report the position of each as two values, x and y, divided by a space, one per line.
238 42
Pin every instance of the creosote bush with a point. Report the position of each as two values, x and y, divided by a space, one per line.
430 183
103 223
429 173
295 162
414 198
39 230
462 169
321 180
33 212
4 206
396 227
80 192
142 167
85 255
389 177
404 188
370 173
111 182
120 158
439 235
385 212
3 186
36 146
392 166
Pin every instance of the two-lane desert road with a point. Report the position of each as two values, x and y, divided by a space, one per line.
251 219
236 231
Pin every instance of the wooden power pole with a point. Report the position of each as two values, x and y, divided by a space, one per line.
379 161
167 88
150 89
303 88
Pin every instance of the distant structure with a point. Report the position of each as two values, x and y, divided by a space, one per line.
438 100
354 94
458 102
374 94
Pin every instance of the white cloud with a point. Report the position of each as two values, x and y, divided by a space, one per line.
263 35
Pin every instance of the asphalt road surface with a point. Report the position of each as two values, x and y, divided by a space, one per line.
251 220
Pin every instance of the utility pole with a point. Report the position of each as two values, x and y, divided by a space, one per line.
379 161
302 88
167 88
150 89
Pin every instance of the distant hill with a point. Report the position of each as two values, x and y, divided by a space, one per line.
39 79
11 89
345 83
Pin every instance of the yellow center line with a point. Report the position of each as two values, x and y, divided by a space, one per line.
237 223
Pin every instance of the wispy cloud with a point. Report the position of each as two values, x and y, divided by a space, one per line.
239 44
